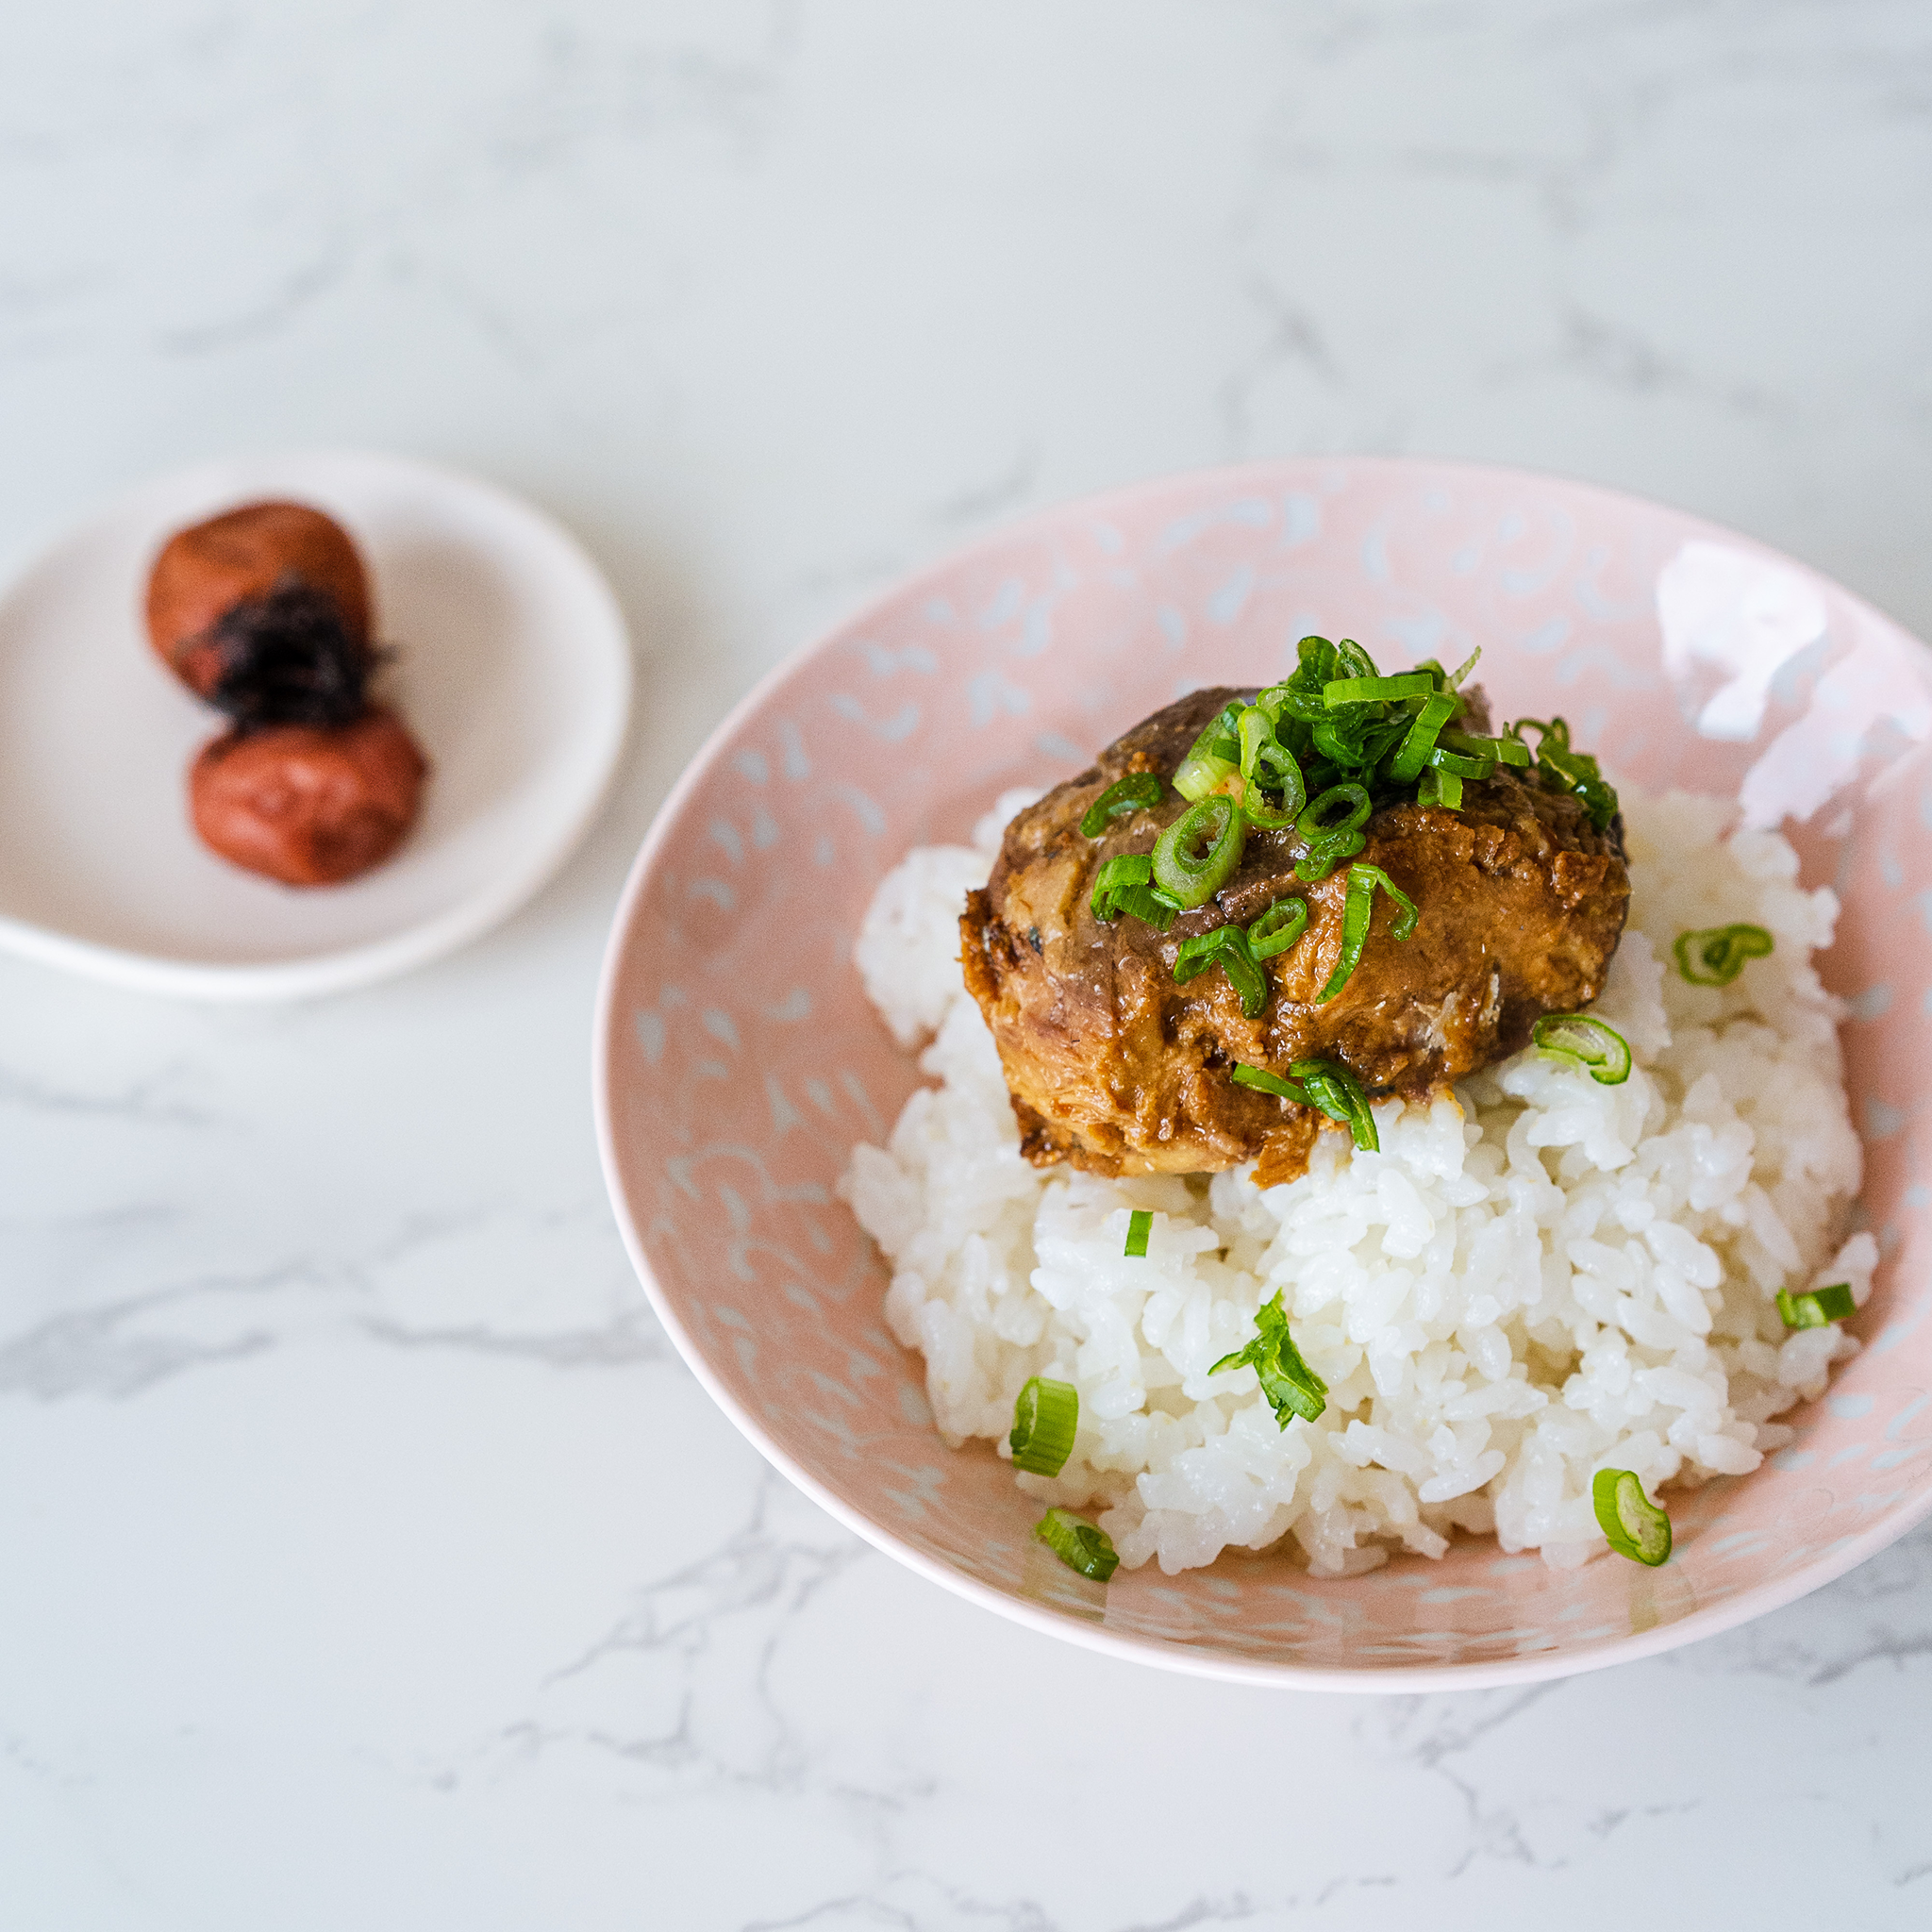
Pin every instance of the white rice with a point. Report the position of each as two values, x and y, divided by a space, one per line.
1537 1279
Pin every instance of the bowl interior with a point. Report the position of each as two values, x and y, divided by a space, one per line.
739 1060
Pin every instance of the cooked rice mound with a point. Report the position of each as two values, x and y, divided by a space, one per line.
1533 1280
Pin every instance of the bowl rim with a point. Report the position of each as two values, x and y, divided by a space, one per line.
1396 1678
422 941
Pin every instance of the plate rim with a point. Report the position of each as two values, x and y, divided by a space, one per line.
1395 1679
344 969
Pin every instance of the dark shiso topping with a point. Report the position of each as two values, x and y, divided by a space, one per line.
287 659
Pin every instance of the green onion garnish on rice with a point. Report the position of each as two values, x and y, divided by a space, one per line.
1716 955
1585 1042
1139 1225
1078 1544
1818 1309
1291 1387
1357 910
1632 1525
1133 793
1044 1419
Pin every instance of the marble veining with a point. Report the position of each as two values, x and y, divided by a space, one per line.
371 1559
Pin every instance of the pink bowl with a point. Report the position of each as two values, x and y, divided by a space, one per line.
738 1062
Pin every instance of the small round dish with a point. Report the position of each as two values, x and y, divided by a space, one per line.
513 667
738 1060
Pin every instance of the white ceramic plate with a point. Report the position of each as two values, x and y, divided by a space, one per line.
512 668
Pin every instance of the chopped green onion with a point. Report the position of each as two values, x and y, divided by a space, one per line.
1291 1387
1147 903
1337 721
1279 928
1408 762
1715 956
1133 793
1195 855
1494 751
1586 1041
1358 912
1211 760
1114 877
1461 765
1262 1081
1632 1525
1139 1225
1266 764
1351 660
1045 1417
1078 1544
1341 809
1331 823
1818 1309
1338 1094
1120 885
1318 860
1573 772
1377 690
1226 946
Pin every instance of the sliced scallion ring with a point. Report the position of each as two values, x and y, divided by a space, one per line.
1196 854
1632 1525
1226 946
1357 914
1819 1309
1440 788
1339 809
1586 1041
1291 1387
1212 759
1279 928
1113 878
1139 1225
1322 857
1338 1093
1458 765
1377 690
1267 765
1133 793
1147 903
1716 955
1045 1417
1079 1545
1493 751
1262 1081
1414 754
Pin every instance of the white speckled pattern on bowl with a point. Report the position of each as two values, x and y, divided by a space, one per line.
738 1060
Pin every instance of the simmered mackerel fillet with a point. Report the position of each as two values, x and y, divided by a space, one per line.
1113 1066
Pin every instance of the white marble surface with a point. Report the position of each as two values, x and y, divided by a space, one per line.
367 1557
